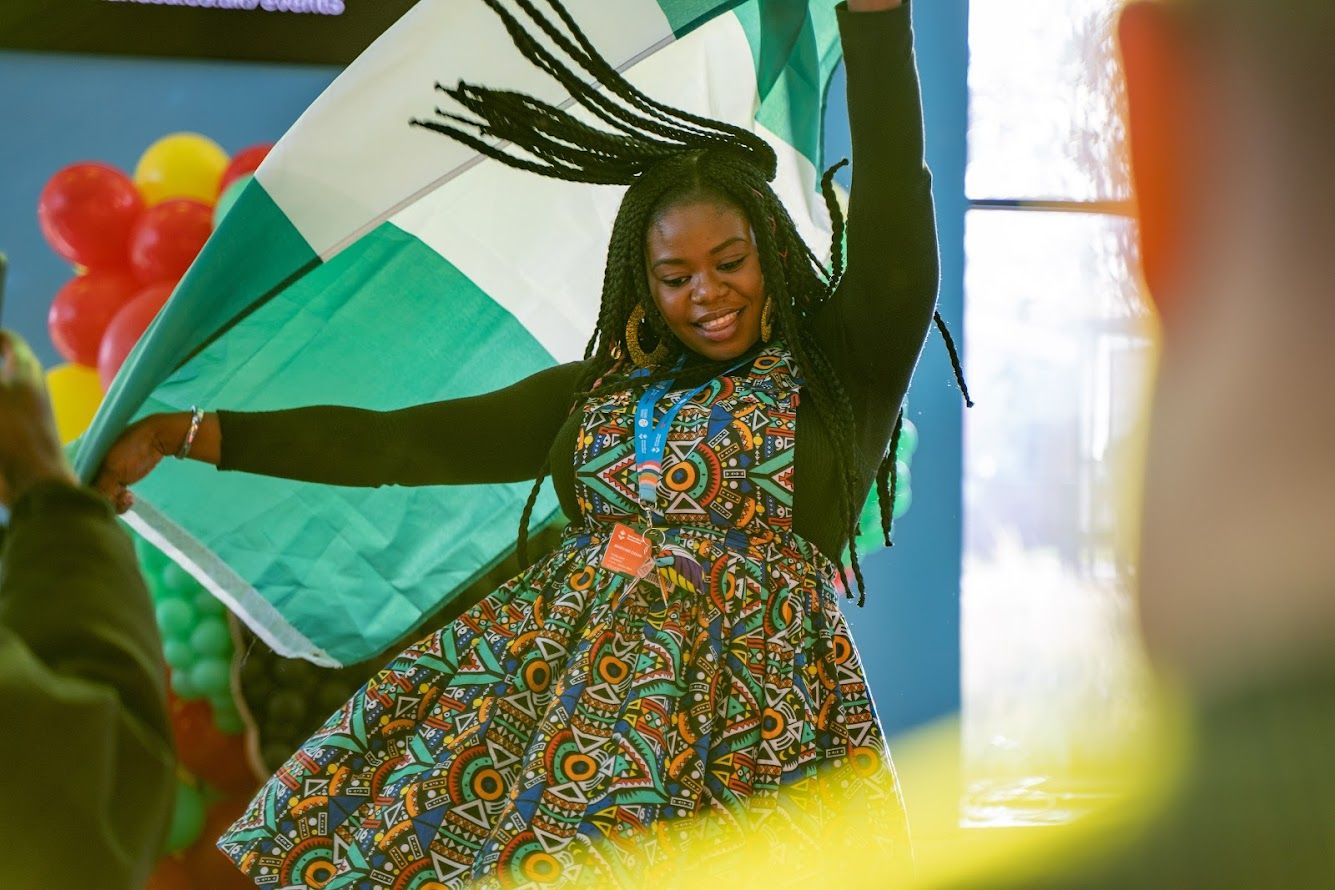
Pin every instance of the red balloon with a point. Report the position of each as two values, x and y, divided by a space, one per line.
127 327
170 874
167 239
245 161
86 212
82 310
207 751
207 865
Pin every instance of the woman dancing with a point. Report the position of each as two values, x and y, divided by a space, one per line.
681 652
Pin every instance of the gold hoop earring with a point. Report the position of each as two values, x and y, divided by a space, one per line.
767 320
637 353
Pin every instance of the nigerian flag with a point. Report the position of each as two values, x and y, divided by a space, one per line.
375 264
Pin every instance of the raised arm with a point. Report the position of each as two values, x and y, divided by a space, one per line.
502 436
875 326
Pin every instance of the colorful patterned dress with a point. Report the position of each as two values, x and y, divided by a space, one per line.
567 726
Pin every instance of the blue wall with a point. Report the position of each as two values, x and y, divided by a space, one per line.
62 109
909 632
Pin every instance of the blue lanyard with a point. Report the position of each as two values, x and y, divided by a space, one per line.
651 437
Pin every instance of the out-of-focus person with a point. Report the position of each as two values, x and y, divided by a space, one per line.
1233 143
85 742
1232 128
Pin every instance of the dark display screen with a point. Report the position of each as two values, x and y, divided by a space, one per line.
330 32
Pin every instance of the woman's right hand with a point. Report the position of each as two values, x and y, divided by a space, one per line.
135 454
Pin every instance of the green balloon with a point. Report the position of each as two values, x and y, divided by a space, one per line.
175 619
180 655
178 583
207 604
224 708
150 557
187 818
869 521
183 683
286 707
228 722
868 525
275 754
871 508
903 476
211 676
223 702
903 500
228 199
908 441
296 674
211 638
331 695
152 583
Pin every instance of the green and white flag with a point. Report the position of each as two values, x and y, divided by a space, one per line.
375 264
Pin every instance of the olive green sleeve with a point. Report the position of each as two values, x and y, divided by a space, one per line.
84 731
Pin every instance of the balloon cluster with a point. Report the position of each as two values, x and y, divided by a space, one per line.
286 698
196 636
269 706
870 538
216 773
289 699
130 240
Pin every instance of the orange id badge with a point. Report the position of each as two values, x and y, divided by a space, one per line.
628 552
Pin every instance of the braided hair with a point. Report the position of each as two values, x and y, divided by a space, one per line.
667 157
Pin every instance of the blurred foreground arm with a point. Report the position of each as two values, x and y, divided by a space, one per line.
85 738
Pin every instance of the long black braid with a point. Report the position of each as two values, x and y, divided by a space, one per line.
667 157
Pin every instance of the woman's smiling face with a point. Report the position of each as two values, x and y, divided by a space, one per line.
704 274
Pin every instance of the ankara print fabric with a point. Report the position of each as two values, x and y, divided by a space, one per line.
565 728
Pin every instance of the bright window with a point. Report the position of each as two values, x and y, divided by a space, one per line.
1058 357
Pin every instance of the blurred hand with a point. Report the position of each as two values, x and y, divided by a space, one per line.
136 453
29 446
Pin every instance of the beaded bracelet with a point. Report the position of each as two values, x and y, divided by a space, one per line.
196 418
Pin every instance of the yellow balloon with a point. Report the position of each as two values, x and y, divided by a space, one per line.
75 395
182 165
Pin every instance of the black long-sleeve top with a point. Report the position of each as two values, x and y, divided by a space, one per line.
872 330
84 733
